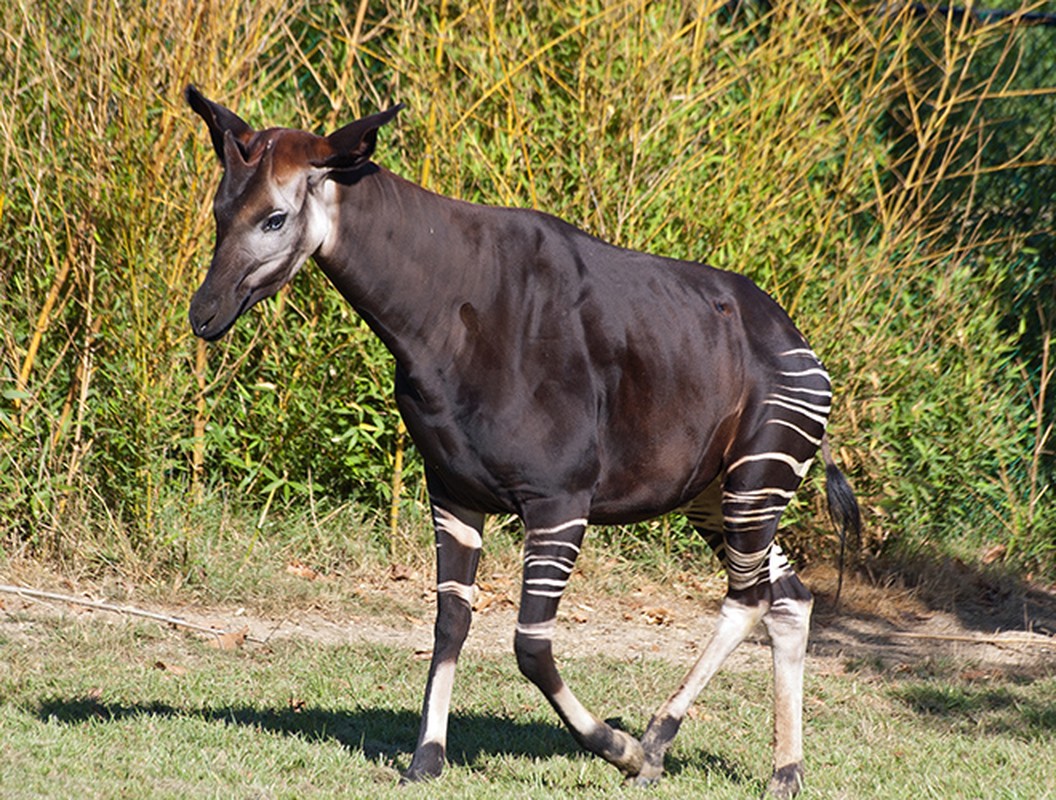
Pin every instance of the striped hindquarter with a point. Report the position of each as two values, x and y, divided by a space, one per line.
739 515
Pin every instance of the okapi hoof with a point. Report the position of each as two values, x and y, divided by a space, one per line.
650 775
625 753
786 782
651 772
427 763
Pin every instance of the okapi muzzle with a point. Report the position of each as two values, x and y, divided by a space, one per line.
273 209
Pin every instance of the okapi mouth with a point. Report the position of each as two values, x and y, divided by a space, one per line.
210 323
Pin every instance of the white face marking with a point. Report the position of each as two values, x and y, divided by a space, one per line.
322 210
307 223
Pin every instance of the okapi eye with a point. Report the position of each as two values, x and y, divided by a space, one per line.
274 222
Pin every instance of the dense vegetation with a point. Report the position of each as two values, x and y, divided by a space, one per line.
887 175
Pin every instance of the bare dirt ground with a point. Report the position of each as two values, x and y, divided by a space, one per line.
974 627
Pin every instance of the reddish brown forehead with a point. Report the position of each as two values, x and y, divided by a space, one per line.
294 151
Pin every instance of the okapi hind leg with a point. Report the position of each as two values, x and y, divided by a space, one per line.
737 617
762 586
550 553
784 606
788 623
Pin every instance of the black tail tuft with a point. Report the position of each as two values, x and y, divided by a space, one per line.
843 509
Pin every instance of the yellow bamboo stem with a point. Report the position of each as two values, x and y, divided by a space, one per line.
198 451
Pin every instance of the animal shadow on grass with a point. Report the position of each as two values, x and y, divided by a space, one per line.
385 736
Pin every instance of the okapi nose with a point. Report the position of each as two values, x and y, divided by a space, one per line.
201 313
200 327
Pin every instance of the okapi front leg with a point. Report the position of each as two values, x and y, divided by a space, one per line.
549 558
458 544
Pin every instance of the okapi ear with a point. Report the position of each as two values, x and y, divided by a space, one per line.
220 121
353 145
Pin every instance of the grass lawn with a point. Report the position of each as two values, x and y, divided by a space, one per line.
96 709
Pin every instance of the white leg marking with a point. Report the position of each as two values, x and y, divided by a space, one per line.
811 411
744 569
756 494
788 623
457 588
800 351
803 373
826 393
816 441
558 528
798 467
565 565
439 703
779 565
537 630
756 514
576 714
541 593
735 622
464 534
555 582
554 543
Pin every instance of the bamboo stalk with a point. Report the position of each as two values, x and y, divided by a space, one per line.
397 483
44 319
401 430
198 450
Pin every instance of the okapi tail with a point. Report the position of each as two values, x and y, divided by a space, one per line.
843 508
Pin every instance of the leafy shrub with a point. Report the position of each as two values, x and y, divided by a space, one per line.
854 161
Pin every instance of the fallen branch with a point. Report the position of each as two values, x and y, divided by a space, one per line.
1036 639
37 594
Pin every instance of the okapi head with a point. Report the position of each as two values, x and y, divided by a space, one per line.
272 208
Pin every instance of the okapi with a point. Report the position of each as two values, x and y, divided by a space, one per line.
545 373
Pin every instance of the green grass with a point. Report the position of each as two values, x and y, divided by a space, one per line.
90 709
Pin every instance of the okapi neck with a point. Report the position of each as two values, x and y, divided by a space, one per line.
401 256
